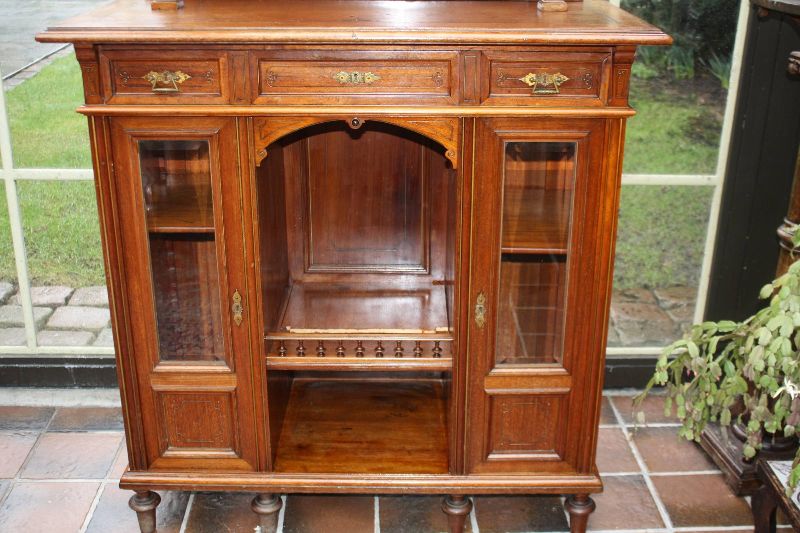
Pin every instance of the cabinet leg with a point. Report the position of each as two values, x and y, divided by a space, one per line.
267 507
764 510
457 509
144 502
579 507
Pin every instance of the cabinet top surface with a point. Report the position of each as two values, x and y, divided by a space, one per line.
356 21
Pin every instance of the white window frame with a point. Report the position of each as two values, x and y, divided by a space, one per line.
10 176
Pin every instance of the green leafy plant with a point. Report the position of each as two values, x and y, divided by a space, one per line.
720 68
680 61
753 365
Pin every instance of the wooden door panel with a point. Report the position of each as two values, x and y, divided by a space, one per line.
538 301
176 185
526 426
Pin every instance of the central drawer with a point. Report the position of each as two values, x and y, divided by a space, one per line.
353 77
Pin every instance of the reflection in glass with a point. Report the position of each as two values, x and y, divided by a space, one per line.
176 181
537 199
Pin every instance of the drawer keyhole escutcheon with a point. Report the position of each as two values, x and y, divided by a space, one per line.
543 82
166 81
480 310
355 78
236 308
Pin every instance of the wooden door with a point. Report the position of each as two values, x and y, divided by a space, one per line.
544 203
177 190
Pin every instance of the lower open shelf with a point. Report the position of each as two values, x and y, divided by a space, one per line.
364 426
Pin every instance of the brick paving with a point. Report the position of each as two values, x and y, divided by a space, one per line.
60 468
64 316
650 317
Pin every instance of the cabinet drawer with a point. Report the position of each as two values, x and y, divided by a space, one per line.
353 77
185 77
547 78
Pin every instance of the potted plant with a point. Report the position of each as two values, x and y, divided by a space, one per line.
739 372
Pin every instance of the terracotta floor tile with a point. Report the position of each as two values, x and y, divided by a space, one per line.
120 463
614 455
652 407
213 512
625 503
14 448
113 514
607 416
663 451
87 419
331 514
50 507
507 514
701 501
72 455
413 514
22 418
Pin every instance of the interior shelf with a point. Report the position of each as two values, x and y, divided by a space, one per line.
373 307
351 326
185 209
535 221
397 426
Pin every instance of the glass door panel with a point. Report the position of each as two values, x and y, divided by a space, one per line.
538 181
176 183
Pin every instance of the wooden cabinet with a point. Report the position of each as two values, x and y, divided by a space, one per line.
365 248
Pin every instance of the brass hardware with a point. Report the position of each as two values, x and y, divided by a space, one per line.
236 308
355 78
544 83
794 64
480 310
167 78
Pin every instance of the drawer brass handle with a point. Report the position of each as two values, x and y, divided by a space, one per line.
480 310
355 78
544 83
167 81
236 308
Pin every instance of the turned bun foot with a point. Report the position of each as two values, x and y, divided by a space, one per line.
579 507
144 502
267 507
457 509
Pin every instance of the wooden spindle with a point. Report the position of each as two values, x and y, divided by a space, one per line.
282 351
301 350
320 349
418 349
437 350
379 349
398 349
340 349
359 349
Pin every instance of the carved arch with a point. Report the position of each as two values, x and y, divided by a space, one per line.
443 130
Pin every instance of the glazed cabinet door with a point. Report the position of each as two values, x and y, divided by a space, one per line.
544 201
179 204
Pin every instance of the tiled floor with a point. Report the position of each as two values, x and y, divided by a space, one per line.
59 469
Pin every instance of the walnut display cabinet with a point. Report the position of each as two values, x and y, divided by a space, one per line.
359 247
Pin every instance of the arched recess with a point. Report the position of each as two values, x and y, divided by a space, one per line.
442 130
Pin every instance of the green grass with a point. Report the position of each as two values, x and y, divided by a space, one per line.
45 129
661 234
672 132
59 218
